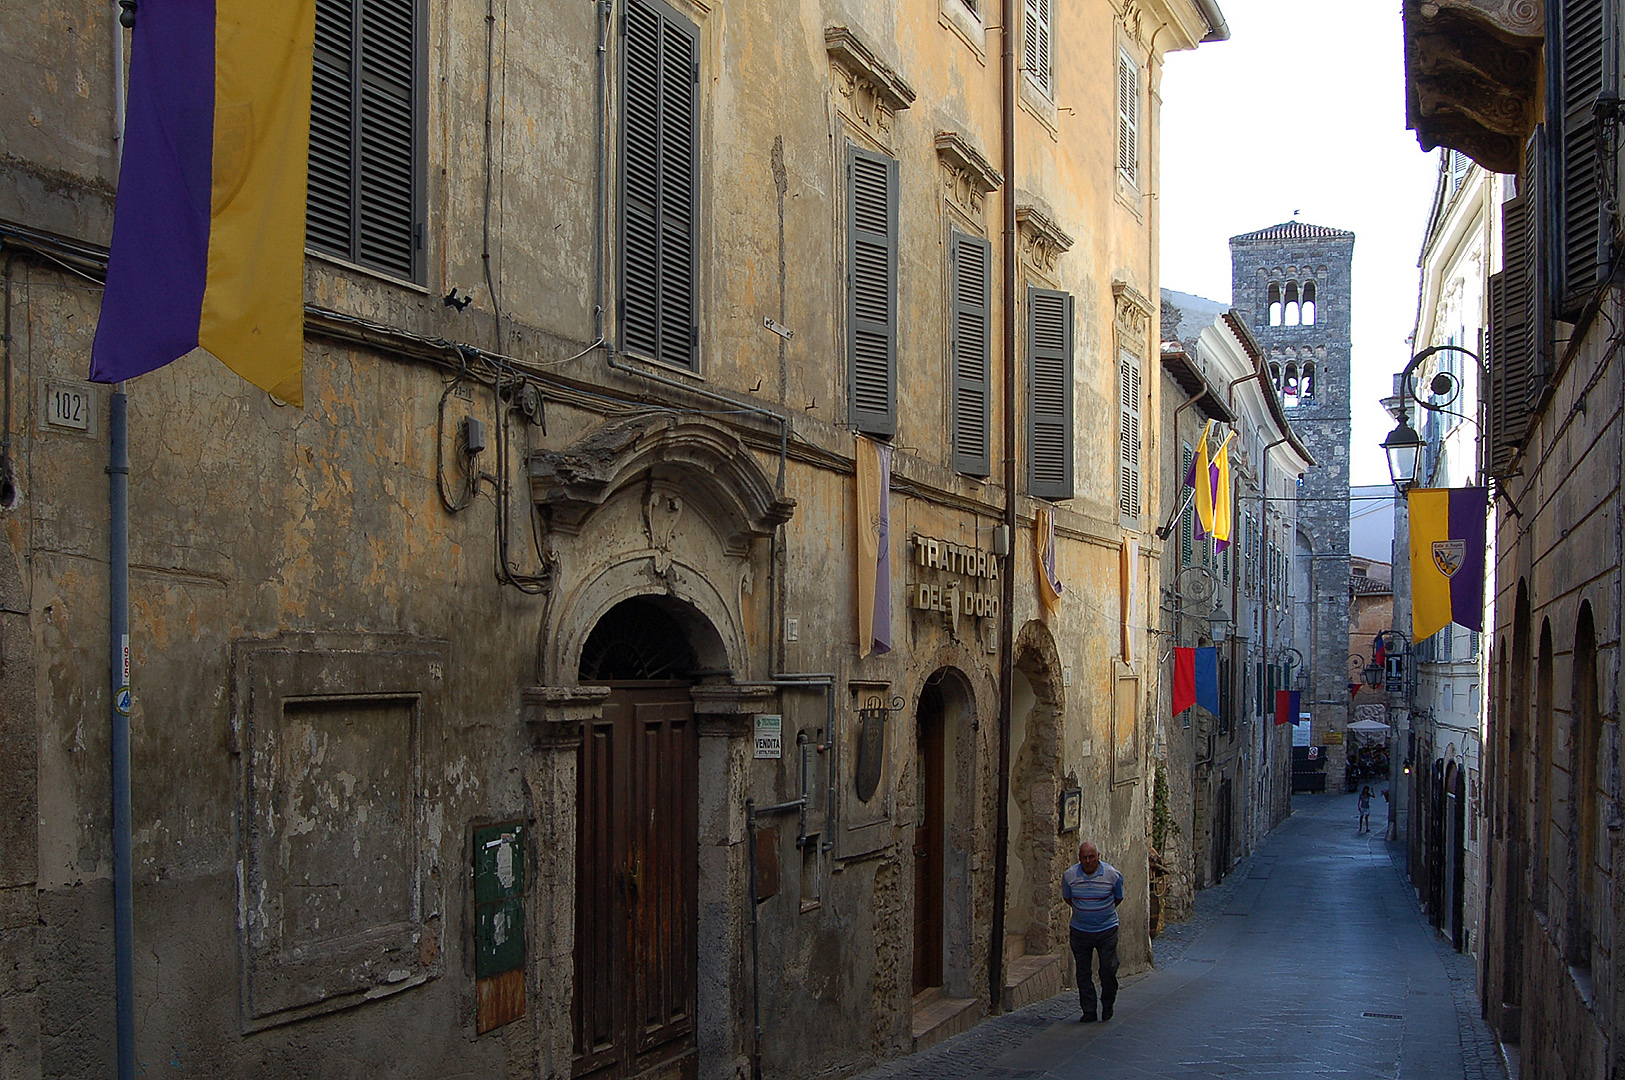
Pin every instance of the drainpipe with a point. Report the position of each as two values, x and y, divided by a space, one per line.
1007 634
118 634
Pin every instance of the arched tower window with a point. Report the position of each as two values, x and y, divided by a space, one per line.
1275 375
1306 380
1290 313
1275 303
1309 303
1289 383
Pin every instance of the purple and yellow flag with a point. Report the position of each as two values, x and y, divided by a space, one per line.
209 226
1447 558
1050 587
874 546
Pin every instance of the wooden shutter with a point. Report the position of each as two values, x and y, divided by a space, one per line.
363 195
1128 118
1585 68
970 261
1128 435
1036 46
1187 517
659 166
872 291
1049 394
1513 338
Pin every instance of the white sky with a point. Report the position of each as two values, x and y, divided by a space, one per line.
1303 109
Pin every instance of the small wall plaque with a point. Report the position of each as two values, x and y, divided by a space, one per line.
1071 809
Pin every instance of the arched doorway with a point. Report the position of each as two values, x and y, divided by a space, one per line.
942 776
1034 877
637 836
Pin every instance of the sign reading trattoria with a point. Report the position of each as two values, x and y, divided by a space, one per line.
957 596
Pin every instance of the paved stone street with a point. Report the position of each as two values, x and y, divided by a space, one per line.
1312 959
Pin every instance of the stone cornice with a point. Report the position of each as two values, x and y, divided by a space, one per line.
1043 242
1472 76
961 155
862 63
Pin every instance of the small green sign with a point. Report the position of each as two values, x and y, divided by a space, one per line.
499 898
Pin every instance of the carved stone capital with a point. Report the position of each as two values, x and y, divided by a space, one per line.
967 174
1043 242
555 714
727 709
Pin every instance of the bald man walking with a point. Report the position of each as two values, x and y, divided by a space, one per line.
1093 889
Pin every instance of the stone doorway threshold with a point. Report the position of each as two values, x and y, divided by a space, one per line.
937 1018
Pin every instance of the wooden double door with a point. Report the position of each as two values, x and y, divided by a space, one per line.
637 840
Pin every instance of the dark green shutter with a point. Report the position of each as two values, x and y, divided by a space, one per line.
659 157
1585 68
364 193
872 291
1514 337
1049 394
970 260
1187 517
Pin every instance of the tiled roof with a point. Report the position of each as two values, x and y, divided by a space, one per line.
1295 230
1364 586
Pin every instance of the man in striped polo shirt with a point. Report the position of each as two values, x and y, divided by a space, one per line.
1093 890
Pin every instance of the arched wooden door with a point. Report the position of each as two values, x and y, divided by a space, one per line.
637 838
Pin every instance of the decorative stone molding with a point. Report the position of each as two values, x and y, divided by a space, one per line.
718 473
555 714
728 709
967 175
1042 241
870 89
1132 309
1472 76
1130 14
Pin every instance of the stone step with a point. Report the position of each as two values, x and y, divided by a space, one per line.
1033 978
937 1018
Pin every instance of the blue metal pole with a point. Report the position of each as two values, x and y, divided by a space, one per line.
118 623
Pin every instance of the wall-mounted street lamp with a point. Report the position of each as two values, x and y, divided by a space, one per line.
1403 447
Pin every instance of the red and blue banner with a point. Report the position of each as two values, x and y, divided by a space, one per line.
1196 679
209 224
1287 704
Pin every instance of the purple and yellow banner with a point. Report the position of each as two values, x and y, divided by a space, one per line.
209 225
874 546
1447 558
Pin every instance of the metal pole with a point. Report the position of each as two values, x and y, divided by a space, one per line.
118 625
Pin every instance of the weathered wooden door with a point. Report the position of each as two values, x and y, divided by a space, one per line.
930 834
637 836
1221 832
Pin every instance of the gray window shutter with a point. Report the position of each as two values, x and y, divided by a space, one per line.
1036 45
659 156
1128 118
872 291
1513 337
1049 394
364 193
970 260
1128 436
1584 70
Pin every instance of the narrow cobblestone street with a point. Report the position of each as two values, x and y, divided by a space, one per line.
1312 959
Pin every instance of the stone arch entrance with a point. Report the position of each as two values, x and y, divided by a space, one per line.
651 533
1039 699
944 779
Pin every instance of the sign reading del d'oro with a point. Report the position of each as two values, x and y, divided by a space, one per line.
956 597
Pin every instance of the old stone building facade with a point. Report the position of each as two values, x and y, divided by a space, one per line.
1223 779
1293 285
1551 398
510 707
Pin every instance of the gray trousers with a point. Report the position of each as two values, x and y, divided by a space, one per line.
1104 943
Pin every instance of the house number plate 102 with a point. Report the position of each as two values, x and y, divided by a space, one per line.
69 405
